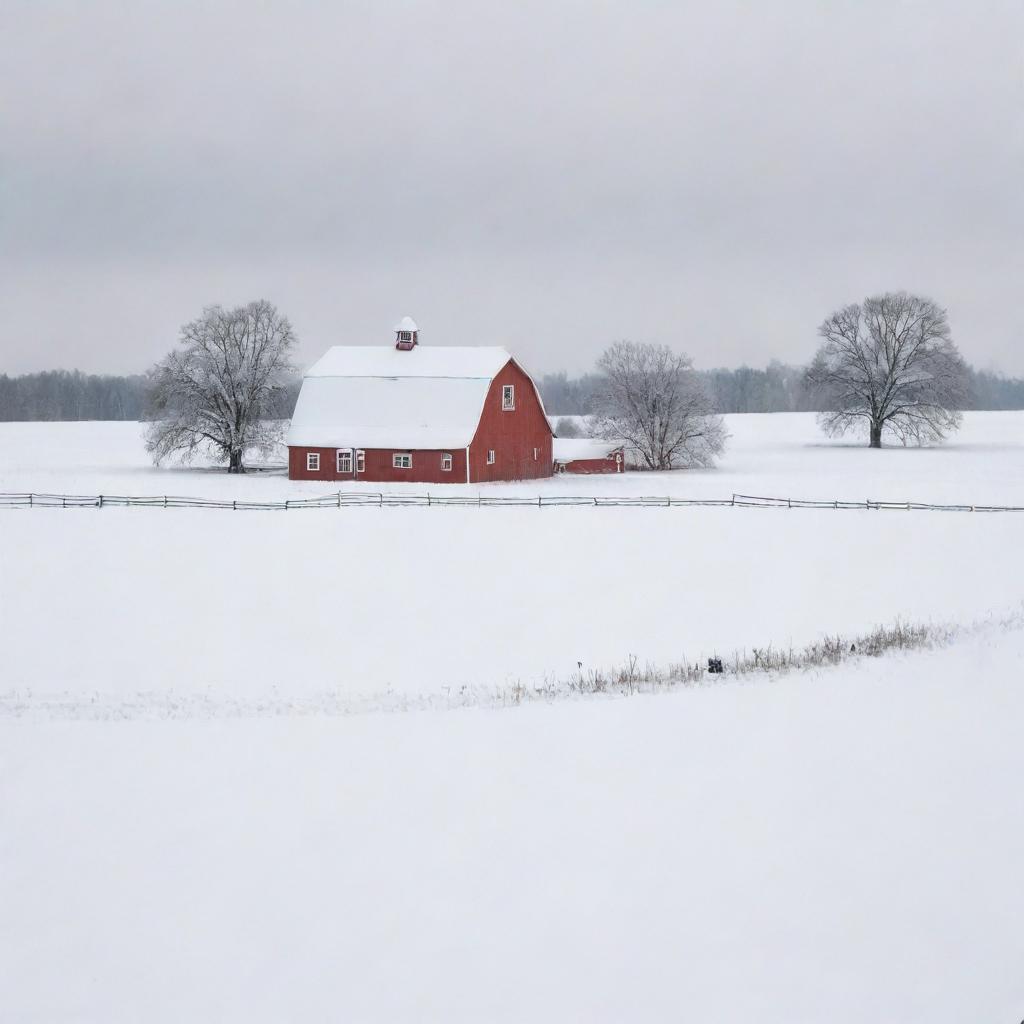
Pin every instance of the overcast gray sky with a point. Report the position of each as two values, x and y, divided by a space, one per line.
553 176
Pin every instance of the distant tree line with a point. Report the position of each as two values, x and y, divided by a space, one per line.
988 390
779 387
73 395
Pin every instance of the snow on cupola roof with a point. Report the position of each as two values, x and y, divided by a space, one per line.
406 324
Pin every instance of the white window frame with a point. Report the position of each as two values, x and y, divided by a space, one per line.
346 454
312 462
446 462
405 335
508 397
490 457
535 451
360 461
401 460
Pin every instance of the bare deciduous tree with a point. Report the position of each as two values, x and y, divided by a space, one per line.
891 364
218 387
652 398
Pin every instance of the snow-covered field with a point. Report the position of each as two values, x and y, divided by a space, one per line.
415 599
778 454
843 845
410 599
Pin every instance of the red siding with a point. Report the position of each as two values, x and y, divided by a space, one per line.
514 435
426 466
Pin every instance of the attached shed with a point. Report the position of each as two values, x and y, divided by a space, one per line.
588 455
422 414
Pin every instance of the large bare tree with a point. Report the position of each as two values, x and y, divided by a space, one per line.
651 397
889 363
217 389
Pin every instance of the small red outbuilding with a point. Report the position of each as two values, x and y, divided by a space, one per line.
588 455
418 413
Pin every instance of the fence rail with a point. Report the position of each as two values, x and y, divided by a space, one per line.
344 499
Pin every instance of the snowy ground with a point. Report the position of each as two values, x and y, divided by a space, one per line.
408 599
840 846
778 454
415 599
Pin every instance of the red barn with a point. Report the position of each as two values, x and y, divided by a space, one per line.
418 413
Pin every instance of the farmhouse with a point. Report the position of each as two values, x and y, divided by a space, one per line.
418 413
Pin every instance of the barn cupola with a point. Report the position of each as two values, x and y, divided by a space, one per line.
406 334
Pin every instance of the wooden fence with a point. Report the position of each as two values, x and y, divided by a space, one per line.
363 499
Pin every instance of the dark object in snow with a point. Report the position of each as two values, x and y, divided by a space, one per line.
715 665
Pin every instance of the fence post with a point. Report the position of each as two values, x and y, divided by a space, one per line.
30 501
101 501
234 506
538 501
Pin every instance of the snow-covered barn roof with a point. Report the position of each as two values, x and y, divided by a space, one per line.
375 396
569 449
422 361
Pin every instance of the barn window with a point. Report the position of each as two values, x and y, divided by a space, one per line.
401 461
490 457
312 462
508 397
405 335
535 450
446 462
345 460
360 461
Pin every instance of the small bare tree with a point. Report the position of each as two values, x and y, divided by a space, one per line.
651 398
891 364
217 388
